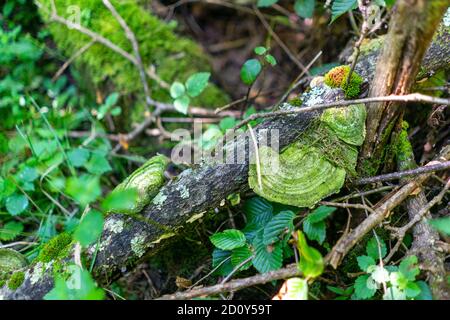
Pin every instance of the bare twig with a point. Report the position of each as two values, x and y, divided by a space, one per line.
82 50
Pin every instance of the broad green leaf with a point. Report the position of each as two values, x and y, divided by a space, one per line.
267 258
340 7
294 289
239 255
218 258
84 189
304 8
7 187
362 290
181 104
441 224
315 231
250 71
258 211
412 290
398 279
79 286
228 239
177 90
196 83
90 228
320 214
210 137
120 200
372 248
408 267
260 50
271 60
425 291
227 123
98 164
279 224
10 230
266 3
28 174
16 204
364 262
311 261
112 99
78 156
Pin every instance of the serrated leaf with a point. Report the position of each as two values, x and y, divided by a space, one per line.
362 290
279 224
10 230
372 248
340 7
304 8
228 239
181 104
320 214
177 90
222 258
98 164
78 156
441 224
364 262
315 231
90 228
267 257
196 83
311 261
250 71
266 3
16 204
380 274
258 211
239 255
408 268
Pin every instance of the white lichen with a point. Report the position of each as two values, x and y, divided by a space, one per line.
184 191
138 245
113 225
37 273
446 19
159 199
314 96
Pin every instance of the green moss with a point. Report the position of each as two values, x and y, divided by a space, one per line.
173 57
57 248
296 102
337 78
16 280
2 283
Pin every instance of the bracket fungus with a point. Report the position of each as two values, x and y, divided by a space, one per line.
316 164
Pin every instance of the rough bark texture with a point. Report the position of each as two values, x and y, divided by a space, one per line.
411 30
125 241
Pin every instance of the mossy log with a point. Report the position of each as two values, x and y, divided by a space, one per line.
126 241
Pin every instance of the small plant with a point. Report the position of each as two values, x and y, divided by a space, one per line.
193 87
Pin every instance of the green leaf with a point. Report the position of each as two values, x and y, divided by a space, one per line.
304 8
84 189
412 290
112 99
228 239
227 123
267 258
78 156
297 289
372 248
260 50
266 3
16 204
210 137
258 211
311 261
320 214
116 111
90 228
250 71
79 286
441 224
239 255
279 224
28 174
196 83
364 262
120 200
340 7
425 291
181 104
362 290
408 268
315 231
177 90
271 60
10 230
218 258
98 164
